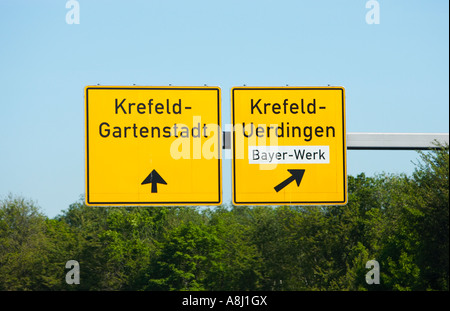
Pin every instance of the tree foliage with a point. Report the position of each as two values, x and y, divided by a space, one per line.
400 221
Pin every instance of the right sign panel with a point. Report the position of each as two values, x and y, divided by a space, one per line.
289 146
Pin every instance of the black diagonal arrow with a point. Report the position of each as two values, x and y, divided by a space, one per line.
296 175
154 178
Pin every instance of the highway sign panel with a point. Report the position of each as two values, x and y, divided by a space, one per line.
289 146
153 145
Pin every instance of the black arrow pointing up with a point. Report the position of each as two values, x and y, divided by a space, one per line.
296 175
154 178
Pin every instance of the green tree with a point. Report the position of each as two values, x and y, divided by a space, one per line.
87 223
63 244
129 244
241 260
187 259
432 202
23 245
416 253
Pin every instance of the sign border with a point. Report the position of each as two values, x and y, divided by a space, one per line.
152 203
344 149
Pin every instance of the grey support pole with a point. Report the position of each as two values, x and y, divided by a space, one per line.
395 141
381 141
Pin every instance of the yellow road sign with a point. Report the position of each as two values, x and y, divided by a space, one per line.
289 146
153 145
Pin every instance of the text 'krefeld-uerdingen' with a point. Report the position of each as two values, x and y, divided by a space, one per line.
307 132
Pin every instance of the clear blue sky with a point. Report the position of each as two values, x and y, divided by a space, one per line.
396 73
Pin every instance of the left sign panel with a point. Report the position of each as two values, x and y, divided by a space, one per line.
153 145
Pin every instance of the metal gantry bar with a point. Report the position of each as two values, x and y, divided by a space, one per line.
382 141
395 141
